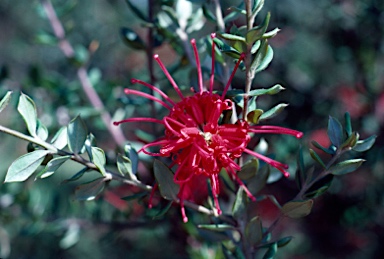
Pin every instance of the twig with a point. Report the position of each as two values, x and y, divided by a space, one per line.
82 74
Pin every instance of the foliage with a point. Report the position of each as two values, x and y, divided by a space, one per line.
71 138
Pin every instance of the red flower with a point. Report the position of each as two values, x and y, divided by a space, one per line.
194 138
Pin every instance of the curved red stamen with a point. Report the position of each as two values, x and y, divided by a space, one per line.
238 180
198 65
170 78
242 56
279 166
212 77
154 88
275 130
154 188
148 96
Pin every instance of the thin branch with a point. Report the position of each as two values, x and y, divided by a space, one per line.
82 74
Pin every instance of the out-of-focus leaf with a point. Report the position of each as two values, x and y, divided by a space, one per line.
196 21
46 38
208 14
163 211
23 167
5 100
271 252
132 39
257 6
217 227
350 141
135 196
164 176
60 140
90 190
316 157
249 170
27 109
77 134
300 169
297 209
254 231
124 166
283 241
52 166
335 131
364 145
273 111
346 167
136 11
71 237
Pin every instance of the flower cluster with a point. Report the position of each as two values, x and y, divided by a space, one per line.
198 143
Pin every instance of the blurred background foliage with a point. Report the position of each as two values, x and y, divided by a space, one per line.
328 55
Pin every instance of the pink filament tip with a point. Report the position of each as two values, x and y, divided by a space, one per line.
299 135
286 174
134 81
116 123
213 35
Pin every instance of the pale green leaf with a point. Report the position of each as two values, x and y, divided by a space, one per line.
27 109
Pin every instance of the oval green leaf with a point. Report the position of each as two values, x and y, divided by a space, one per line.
98 158
52 166
335 131
77 134
5 100
23 167
297 209
124 166
90 190
27 109
254 231
164 176
346 167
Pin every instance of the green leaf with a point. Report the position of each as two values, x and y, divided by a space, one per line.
249 170
297 209
52 166
231 37
164 176
60 140
350 141
364 145
132 39
335 131
346 167
271 34
98 158
254 231
326 150
90 190
319 187
240 204
217 227
131 153
208 14
257 32
77 134
225 48
316 157
42 131
76 176
136 11
271 252
257 6
163 211
348 125
263 57
135 196
23 167
27 109
258 182
273 111
272 90
5 100
284 241
124 166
